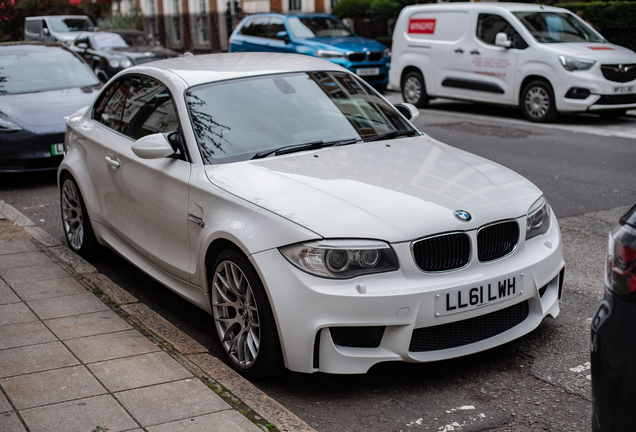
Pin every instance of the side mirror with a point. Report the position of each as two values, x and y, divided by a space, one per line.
46 31
154 146
501 40
283 35
103 77
407 110
82 45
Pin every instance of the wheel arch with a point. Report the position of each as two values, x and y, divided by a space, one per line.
527 80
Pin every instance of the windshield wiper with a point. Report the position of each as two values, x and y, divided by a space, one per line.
313 145
390 135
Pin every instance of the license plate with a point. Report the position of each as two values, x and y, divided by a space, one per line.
462 299
368 71
57 149
624 89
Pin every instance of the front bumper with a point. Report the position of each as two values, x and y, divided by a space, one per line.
25 151
602 92
308 308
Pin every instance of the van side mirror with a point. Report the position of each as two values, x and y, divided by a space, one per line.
501 40
82 45
408 110
282 35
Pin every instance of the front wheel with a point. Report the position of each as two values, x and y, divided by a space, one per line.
77 225
414 90
243 317
537 102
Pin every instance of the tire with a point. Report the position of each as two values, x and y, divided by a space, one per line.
414 90
243 317
612 114
75 221
537 102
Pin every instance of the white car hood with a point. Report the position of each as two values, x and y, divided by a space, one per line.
396 190
604 53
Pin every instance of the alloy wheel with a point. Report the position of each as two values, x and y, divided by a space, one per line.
236 314
72 215
412 90
537 102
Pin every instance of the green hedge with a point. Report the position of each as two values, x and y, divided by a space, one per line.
616 19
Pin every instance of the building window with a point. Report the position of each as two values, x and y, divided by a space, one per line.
202 22
295 5
176 20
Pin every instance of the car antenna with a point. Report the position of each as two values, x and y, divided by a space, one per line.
539 3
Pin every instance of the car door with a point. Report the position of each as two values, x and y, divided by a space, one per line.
277 25
493 67
144 201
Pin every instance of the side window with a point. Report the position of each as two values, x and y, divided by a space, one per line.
488 25
259 27
275 25
34 26
149 109
247 29
110 105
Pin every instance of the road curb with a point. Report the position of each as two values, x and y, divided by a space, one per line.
231 385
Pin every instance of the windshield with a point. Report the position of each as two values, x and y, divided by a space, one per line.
554 27
137 39
108 40
311 27
235 120
43 70
70 24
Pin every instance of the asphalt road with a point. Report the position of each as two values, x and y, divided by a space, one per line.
583 164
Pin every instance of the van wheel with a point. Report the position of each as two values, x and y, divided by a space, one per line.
537 102
414 91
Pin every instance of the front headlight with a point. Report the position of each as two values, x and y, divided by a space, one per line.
386 53
8 126
114 63
341 259
125 63
574 64
326 54
538 218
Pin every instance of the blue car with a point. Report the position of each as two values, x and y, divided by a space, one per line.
319 35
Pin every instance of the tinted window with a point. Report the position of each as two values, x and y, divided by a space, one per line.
148 109
61 24
110 106
33 26
311 27
488 25
108 40
23 70
259 27
247 29
275 25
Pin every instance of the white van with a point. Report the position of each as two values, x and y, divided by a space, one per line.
542 59
56 28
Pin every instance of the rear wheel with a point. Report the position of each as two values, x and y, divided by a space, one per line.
537 102
77 226
243 317
413 90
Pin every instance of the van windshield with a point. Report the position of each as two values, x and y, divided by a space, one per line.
555 27
61 24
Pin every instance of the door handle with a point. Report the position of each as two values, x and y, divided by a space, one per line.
475 52
112 162
459 50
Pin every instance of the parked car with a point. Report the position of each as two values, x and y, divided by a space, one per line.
613 347
542 59
136 37
40 84
319 35
109 52
307 215
56 28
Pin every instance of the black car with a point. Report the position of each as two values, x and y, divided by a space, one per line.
109 51
613 348
41 83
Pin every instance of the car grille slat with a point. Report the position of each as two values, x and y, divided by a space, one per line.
357 56
613 72
468 331
442 253
497 241
374 55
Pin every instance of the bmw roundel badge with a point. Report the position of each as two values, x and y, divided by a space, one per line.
463 215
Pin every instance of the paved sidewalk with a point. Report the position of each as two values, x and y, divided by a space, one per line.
77 353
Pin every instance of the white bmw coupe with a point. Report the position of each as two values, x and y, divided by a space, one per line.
307 215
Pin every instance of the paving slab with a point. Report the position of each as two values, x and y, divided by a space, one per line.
9 422
45 388
138 371
23 334
83 415
221 421
48 288
91 324
7 295
35 358
59 307
4 405
24 259
173 401
32 273
15 313
16 246
111 346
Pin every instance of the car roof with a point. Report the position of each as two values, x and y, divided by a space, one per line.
57 16
207 68
512 7
32 45
298 15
